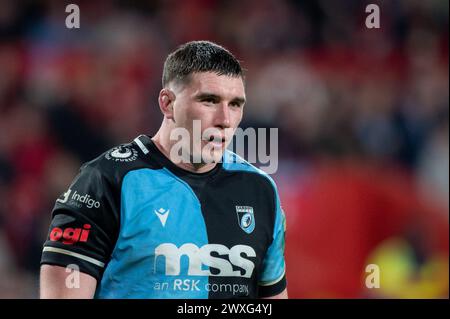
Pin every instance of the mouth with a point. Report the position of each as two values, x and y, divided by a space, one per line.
217 141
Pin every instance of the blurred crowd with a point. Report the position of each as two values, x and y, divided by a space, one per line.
362 116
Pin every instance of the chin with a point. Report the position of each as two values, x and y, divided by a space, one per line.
213 157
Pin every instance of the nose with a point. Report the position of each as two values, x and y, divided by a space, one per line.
222 118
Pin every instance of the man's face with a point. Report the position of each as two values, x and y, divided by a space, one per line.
212 105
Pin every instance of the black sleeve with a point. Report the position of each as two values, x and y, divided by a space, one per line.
85 224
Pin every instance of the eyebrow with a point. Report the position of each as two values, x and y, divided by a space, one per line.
202 96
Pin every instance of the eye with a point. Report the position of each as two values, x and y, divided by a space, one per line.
209 100
235 104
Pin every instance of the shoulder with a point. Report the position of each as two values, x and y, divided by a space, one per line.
114 163
234 162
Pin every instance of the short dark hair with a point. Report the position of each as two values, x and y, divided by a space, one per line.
199 56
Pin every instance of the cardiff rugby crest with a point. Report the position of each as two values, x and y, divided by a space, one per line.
246 218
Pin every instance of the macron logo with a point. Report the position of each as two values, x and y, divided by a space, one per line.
162 215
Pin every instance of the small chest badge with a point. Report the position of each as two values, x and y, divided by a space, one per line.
246 218
122 154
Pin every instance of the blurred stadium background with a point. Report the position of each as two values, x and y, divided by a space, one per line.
362 117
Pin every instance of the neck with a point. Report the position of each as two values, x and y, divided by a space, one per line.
164 144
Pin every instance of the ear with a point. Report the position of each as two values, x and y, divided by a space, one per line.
166 100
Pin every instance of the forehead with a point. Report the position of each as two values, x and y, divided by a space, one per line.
209 82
